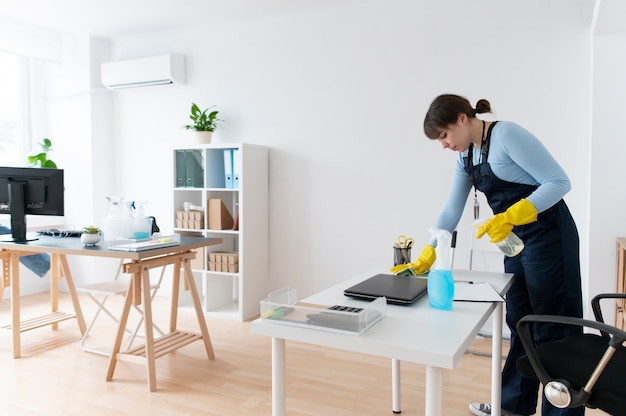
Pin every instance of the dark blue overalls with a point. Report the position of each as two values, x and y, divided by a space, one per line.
547 279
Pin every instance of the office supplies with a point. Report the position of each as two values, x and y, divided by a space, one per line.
353 309
470 291
236 168
405 242
145 244
194 169
399 290
282 307
219 216
215 170
347 321
401 255
54 232
228 168
181 176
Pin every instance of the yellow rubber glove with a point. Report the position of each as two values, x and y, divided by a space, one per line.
501 225
422 264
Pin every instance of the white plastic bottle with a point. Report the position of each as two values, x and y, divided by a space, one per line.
440 283
142 227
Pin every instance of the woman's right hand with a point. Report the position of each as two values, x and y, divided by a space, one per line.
423 263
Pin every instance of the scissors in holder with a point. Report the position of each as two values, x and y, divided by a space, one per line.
405 242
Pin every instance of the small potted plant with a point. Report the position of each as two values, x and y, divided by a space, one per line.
90 236
204 123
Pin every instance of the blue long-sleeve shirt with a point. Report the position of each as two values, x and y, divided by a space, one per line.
515 155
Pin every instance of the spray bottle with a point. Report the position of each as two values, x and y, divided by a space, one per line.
440 282
142 226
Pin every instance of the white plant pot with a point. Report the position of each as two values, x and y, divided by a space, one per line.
203 137
90 239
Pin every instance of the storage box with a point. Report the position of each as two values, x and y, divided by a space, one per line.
219 216
193 220
224 262
282 307
198 262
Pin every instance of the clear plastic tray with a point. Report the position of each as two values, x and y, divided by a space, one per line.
144 244
283 307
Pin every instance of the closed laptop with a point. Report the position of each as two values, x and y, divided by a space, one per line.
399 290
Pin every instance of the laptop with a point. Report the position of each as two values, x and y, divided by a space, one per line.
399 290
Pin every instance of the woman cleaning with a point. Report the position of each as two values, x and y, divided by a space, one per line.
524 186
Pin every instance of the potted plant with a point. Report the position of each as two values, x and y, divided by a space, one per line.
90 235
204 123
40 159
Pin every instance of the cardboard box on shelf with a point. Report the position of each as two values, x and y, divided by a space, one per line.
190 219
219 216
224 262
198 262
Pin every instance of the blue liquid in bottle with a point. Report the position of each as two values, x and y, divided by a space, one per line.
440 287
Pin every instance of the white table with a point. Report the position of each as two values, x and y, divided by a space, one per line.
416 333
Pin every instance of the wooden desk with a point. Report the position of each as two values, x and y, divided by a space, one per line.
620 319
415 333
139 265
10 254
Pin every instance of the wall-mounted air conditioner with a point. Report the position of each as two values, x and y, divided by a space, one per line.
142 72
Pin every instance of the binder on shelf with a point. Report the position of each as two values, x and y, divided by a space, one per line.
193 169
215 169
181 176
236 168
228 168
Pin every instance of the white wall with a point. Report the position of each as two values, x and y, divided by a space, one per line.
338 92
607 196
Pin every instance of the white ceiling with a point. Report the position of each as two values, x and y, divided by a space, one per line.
113 18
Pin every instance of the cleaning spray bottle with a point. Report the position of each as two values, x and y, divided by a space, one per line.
440 282
142 226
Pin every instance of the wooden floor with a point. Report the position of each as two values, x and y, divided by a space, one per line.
55 377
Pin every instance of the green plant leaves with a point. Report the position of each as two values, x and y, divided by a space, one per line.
40 160
201 120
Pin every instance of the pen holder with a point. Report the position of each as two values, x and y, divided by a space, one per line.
401 255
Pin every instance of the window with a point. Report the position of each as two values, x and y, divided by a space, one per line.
11 148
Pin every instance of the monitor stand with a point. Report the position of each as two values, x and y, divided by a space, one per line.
17 207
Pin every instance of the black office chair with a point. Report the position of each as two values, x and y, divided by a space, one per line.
587 369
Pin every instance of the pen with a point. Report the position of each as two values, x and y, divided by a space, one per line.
471 282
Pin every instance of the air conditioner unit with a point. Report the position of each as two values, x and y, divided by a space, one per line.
143 72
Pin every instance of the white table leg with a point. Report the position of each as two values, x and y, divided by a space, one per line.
278 377
496 361
433 391
395 385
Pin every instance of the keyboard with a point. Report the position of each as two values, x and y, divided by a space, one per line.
53 232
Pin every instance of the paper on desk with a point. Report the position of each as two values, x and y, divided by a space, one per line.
476 292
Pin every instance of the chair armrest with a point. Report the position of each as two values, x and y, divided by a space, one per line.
595 303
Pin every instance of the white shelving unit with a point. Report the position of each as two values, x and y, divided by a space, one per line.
200 174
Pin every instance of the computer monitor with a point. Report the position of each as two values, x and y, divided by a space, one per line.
33 191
